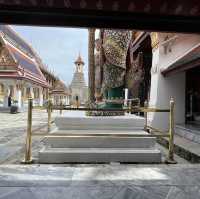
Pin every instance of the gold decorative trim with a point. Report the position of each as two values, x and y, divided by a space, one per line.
154 40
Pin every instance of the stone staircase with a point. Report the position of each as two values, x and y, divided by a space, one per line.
99 140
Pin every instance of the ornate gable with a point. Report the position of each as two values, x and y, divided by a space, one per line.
7 62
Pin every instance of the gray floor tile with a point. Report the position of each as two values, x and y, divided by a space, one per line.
19 193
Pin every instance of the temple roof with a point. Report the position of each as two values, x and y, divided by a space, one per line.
20 57
14 38
24 61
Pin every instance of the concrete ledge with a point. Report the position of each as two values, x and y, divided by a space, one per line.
184 148
190 134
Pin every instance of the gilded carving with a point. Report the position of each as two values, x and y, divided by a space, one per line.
154 40
6 61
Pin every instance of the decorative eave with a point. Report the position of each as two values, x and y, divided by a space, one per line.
188 60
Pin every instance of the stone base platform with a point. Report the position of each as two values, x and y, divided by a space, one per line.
84 139
87 139
127 122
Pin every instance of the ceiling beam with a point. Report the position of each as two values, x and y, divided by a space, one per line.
98 19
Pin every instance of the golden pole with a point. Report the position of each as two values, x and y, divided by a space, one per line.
49 115
145 115
28 158
171 134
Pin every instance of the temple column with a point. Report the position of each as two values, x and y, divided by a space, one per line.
31 94
67 100
14 91
23 95
40 96
164 87
91 66
6 94
18 97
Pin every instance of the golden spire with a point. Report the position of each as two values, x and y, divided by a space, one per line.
79 60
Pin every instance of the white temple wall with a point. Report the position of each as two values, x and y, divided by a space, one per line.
163 88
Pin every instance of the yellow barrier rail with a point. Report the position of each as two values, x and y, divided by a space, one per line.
151 130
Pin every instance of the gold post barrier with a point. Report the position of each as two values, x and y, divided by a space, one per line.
170 158
145 115
49 109
28 158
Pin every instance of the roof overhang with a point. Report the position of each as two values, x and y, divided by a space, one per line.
188 60
160 15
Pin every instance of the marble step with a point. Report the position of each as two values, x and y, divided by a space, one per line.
99 140
99 155
110 123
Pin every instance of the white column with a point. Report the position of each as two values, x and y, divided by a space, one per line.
67 100
163 88
24 100
31 93
6 94
126 97
18 97
14 87
40 97
24 97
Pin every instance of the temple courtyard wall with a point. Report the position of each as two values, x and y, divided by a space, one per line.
163 87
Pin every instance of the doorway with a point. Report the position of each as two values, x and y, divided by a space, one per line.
193 96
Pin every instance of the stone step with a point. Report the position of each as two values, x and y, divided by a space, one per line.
99 139
110 123
99 155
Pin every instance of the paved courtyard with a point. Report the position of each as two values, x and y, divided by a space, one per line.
13 133
100 182
85 181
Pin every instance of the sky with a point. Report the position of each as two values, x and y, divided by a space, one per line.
58 47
